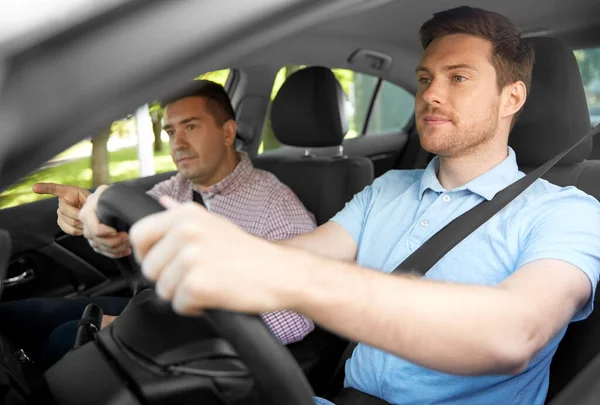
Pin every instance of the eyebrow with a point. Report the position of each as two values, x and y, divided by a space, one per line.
422 68
182 122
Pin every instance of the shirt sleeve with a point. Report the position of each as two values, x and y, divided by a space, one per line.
287 326
288 218
352 216
566 228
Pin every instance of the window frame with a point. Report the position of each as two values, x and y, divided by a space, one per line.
372 102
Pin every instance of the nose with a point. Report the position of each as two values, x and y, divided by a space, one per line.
179 140
434 93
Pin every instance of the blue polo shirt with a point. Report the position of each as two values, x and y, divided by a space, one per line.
396 214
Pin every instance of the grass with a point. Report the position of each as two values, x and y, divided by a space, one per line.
123 165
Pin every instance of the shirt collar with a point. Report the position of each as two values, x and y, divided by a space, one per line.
486 185
235 179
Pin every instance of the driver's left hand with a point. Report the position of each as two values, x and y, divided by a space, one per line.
201 260
102 238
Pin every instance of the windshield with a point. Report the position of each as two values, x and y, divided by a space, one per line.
31 17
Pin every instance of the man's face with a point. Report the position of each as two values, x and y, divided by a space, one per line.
198 143
457 105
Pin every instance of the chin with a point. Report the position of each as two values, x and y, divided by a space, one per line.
433 143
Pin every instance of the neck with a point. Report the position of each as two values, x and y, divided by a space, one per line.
227 167
456 171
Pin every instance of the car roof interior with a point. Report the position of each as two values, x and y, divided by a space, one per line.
392 28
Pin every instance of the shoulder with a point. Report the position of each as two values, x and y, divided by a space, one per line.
555 211
546 197
267 183
176 187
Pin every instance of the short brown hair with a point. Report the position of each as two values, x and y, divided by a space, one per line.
217 97
512 59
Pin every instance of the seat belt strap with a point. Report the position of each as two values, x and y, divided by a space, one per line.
198 198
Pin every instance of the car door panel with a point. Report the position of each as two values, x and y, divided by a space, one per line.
47 262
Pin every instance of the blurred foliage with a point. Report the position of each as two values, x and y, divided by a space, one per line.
218 76
123 165
589 66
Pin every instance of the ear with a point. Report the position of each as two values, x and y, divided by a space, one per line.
513 99
230 132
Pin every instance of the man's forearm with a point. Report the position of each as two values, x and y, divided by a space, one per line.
330 240
448 327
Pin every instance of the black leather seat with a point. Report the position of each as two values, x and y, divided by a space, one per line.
309 112
556 116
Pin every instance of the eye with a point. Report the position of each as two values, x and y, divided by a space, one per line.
170 132
459 79
190 127
424 81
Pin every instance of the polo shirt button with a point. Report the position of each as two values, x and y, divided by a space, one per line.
446 198
425 223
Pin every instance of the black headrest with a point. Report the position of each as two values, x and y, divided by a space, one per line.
309 109
555 114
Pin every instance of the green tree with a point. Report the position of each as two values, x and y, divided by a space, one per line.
156 114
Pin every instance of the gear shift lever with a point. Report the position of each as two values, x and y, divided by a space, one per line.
89 325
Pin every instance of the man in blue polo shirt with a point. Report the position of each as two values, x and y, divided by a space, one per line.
482 325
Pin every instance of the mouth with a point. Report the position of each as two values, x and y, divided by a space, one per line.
184 159
436 120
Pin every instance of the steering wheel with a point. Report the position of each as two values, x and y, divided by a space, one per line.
272 366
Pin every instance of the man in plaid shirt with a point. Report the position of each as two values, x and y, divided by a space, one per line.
202 129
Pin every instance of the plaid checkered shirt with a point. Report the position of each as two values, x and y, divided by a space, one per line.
260 204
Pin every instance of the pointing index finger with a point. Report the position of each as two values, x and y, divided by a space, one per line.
58 190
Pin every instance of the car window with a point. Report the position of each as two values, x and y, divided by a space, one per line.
392 110
589 66
390 106
109 157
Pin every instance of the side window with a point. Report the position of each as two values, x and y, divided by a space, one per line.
391 109
359 89
589 66
108 157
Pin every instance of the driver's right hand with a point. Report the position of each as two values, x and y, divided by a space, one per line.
70 201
